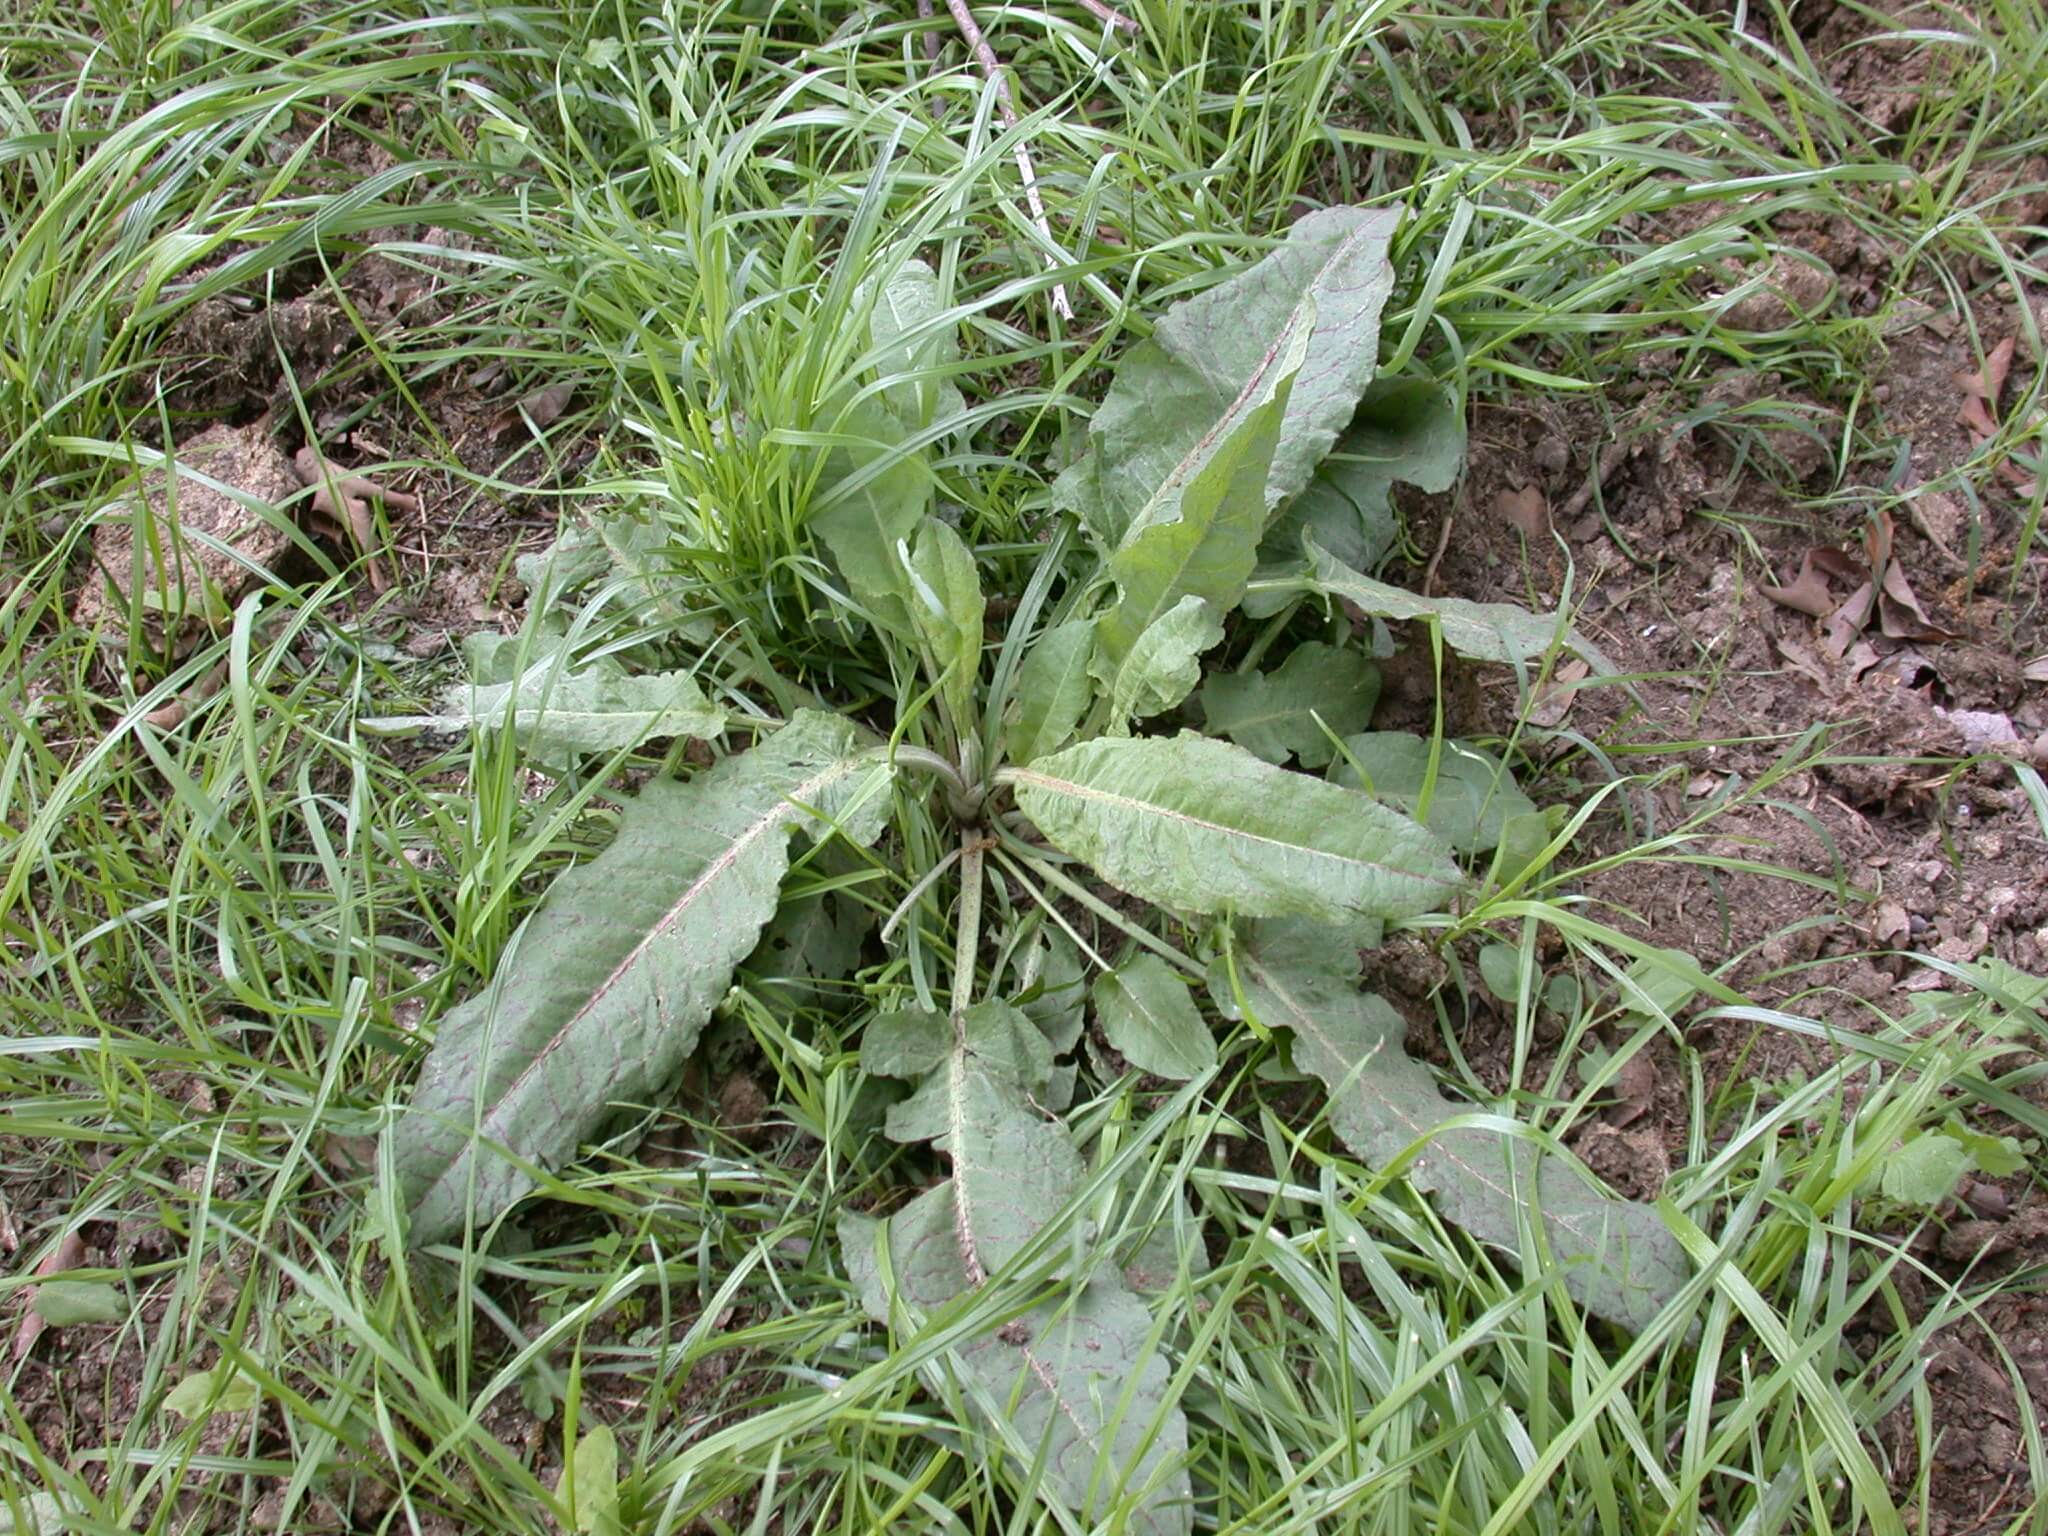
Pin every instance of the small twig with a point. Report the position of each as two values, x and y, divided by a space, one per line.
68 1254
345 499
930 40
1108 13
1610 460
992 69
1443 542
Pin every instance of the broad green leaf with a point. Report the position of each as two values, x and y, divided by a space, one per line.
1052 989
1500 967
1057 1095
1162 667
40 1514
923 1269
648 577
915 343
654 578
221 1389
1074 1378
1662 983
1053 690
946 610
1561 994
1283 713
1617 1257
1408 430
1012 1168
810 943
1999 1156
1198 533
67 1303
1171 389
1524 838
870 499
1153 1263
908 1042
577 557
601 996
589 1484
560 715
1925 1171
1149 1018
1201 826
1474 796
494 658
1483 631
993 1039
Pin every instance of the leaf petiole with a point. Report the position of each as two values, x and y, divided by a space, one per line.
974 845
1030 858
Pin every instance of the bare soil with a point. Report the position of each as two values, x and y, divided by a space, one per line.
1913 809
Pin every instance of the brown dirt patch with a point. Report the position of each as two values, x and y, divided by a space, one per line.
1694 513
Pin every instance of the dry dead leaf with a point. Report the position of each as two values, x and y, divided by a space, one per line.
1881 589
1962 948
2036 671
1804 662
1846 622
1982 730
1877 540
1554 700
1979 413
1890 926
1941 521
1899 612
1634 1087
1988 383
68 1254
1526 509
1807 592
542 407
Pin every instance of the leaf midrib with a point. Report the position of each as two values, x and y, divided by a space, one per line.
1086 792
791 803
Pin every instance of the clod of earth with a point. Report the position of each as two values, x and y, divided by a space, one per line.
179 554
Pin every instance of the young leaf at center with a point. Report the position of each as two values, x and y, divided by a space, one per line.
1190 549
1331 272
